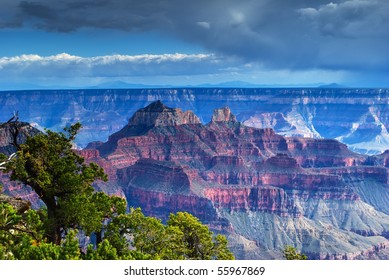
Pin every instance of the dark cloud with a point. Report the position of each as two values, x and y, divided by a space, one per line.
277 34
38 10
350 19
70 15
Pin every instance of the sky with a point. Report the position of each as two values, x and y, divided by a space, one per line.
84 43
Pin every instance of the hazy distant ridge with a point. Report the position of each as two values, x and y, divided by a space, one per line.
357 117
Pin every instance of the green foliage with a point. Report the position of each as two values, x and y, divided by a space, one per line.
3 161
199 242
183 237
17 231
68 250
127 236
147 236
62 180
2 158
104 251
22 237
290 253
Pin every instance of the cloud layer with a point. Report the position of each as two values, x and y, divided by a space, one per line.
165 69
344 35
66 65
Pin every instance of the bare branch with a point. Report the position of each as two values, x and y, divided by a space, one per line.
2 167
15 118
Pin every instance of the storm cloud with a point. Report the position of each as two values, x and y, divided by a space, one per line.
273 34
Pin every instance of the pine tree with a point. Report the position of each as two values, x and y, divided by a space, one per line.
49 165
290 253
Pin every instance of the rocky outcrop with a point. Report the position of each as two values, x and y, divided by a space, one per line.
22 130
281 161
223 115
157 114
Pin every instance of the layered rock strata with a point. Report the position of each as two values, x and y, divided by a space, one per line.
356 117
263 190
251 184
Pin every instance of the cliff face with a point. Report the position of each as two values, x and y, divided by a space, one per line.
223 115
6 137
380 160
362 124
251 184
263 190
265 199
157 114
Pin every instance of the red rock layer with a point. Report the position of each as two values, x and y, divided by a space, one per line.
155 175
322 153
161 204
161 150
16 189
380 174
266 199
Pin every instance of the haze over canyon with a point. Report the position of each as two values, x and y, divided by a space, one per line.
356 117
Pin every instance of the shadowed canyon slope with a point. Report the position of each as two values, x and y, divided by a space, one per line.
261 189
356 117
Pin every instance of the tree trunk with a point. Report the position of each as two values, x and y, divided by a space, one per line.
54 229
99 237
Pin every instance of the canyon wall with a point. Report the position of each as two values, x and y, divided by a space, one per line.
261 189
356 117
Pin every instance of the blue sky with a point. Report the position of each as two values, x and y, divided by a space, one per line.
81 43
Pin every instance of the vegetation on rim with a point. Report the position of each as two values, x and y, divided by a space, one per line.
47 163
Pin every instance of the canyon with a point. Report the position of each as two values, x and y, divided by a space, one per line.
357 117
261 188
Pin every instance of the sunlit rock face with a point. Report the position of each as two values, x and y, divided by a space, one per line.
261 189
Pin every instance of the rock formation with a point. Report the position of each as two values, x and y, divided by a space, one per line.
253 185
223 115
157 114
7 138
263 190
